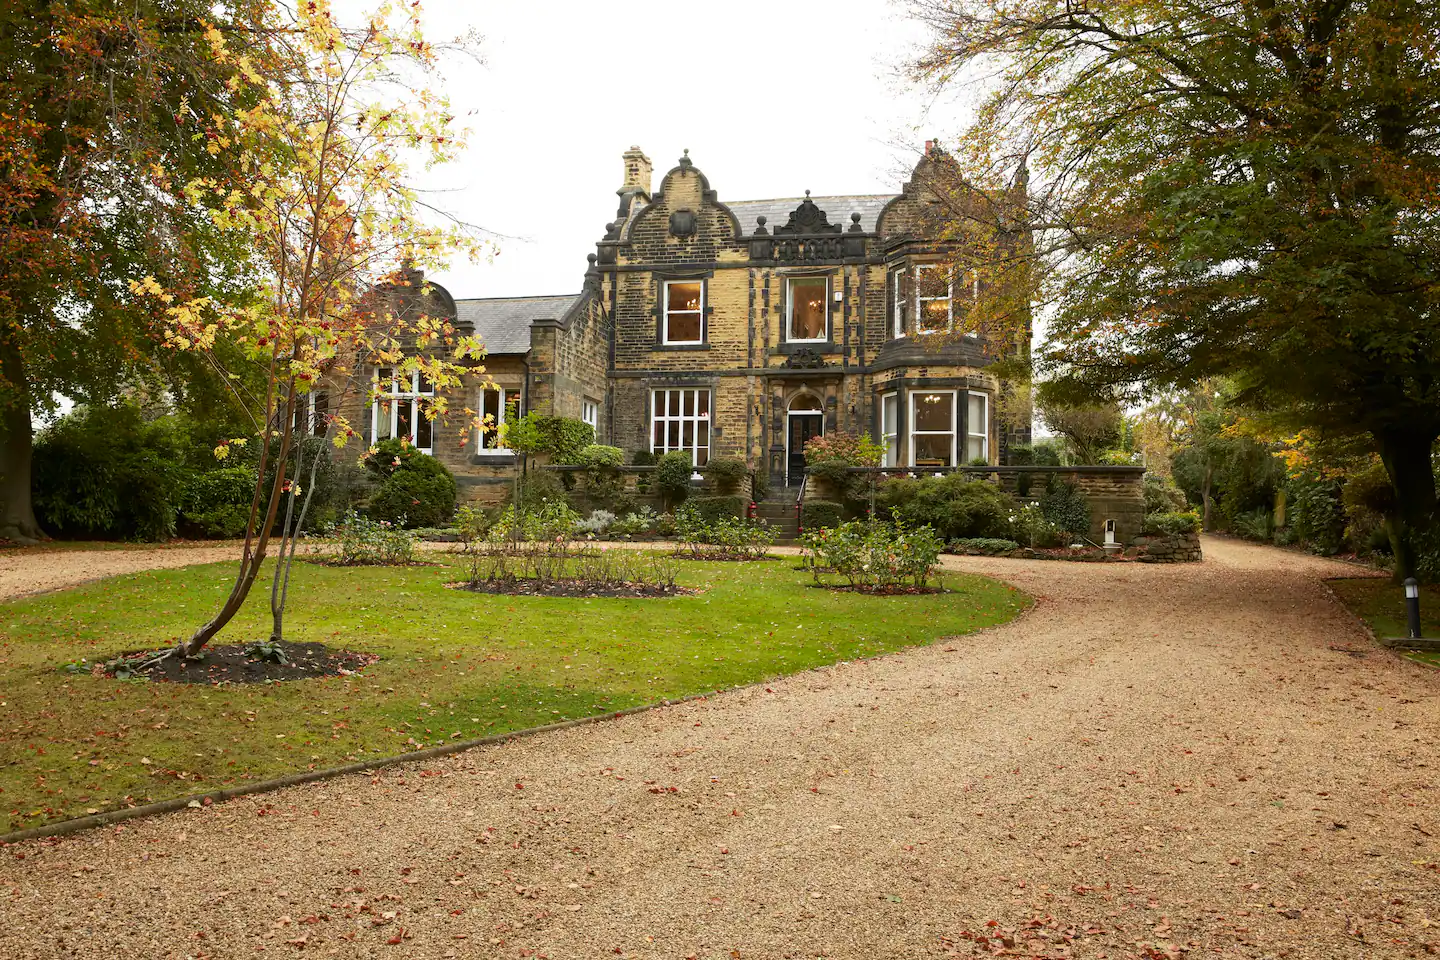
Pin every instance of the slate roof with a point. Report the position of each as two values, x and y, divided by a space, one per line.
503 323
837 210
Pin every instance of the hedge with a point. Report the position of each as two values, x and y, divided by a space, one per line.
711 509
815 514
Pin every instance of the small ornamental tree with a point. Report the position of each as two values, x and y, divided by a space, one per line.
321 200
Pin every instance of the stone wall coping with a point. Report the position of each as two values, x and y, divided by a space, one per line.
622 468
1101 469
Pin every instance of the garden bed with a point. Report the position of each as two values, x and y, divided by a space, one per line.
891 590
233 663
572 588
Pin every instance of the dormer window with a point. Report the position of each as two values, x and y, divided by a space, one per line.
808 320
684 320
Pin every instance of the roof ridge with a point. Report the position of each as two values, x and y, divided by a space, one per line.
822 196
527 296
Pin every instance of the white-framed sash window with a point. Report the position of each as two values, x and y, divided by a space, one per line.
684 308
399 409
890 428
977 427
497 405
900 314
934 300
312 414
932 428
590 413
680 420
807 309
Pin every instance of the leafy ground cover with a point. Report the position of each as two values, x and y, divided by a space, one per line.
454 665
1381 604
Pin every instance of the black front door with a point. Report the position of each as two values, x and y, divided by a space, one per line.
803 426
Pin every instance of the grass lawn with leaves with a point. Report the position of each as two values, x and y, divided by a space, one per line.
1381 604
454 665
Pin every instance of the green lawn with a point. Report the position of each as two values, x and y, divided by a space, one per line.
453 665
1381 604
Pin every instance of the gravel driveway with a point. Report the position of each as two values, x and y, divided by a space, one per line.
1207 760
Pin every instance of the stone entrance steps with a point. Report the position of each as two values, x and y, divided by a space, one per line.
778 510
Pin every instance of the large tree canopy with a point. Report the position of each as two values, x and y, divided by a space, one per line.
98 108
1248 189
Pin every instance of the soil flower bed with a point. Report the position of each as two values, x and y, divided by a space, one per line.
522 587
236 663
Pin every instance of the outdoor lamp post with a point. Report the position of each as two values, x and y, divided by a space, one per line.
1412 606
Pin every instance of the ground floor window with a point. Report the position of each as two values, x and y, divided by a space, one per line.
312 414
680 420
932 428
497 406
590 413
977 428
890 428
399 409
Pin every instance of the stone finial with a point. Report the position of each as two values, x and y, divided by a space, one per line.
855 223
760 225
685 162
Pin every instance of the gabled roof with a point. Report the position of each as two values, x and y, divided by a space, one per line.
837 210
502 324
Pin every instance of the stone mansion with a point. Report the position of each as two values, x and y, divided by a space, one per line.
735 329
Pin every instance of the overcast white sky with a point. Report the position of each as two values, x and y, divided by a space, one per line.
771 98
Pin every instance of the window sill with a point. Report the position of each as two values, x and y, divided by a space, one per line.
493 457
682 346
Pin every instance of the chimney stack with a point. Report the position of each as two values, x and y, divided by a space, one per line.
638 172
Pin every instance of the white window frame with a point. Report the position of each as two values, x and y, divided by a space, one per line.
418 388
708 418
665 312
899 326
790 309
498 449
892 431
590 413
314 428
920 301
954 430
970 434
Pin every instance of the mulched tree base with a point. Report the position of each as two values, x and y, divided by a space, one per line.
571 588
228 663
902 591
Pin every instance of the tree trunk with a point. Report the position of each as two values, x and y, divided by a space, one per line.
17 514
1205 497
1407 458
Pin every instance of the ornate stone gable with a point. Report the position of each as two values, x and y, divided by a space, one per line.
808 219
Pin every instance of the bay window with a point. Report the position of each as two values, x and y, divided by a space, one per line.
807 308
934 301
684 308
932 428
977 428
680 420
498 405
890 428
398 409
900 291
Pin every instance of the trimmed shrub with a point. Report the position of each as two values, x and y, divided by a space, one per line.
815 514
711 509
954 506
871 555
1173 523
602 470
854 449
598 456
217 503
983 546
726 473
672 476
1064 506
416 490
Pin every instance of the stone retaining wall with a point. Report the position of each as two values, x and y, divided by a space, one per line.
1167 548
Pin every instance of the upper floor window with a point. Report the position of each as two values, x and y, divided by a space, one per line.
680 420
590 413
900 290
684 320
977 428
808 315
934 298
399 408
497 406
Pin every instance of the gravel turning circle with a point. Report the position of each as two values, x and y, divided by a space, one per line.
1200 760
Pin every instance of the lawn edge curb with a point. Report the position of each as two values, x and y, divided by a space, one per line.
63 828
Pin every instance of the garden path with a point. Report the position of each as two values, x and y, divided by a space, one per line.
1212 758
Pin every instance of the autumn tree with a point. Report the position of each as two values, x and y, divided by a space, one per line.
321 195
99 103
1245 189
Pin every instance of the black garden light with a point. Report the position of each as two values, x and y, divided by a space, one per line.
1412 606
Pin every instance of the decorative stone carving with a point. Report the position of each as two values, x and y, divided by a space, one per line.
808 219
805 359
682 223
